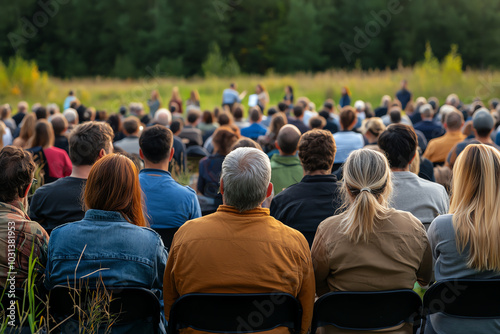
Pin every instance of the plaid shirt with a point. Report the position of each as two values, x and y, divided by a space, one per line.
27 235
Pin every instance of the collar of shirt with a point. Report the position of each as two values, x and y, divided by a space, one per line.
253 212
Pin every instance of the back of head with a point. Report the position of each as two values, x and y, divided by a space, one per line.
426 111
278 121
475 205
87 140
71 115
16 173
454 120
176 126
52 109
386 101
271 111
347 117
374 125
113 185
255 115
136 108
207 117
288 139
193 116
115 122
366 189
246 142
399 143
298 111
155 143
163 117
22 106
59 124
317 122
246 173
44 134
359 105
282 106
317 150
225 118
328 106
238 112
28 126
483 122
131 125
41 113
223 138
395 115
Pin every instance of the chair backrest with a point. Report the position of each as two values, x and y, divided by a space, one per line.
464 298
167 235
235 313
127 305
372 310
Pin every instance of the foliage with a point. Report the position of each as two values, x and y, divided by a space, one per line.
84 37
219 66
22 78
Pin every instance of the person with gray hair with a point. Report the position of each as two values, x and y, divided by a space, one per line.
71 116
427 125
241 248
163 117
22 109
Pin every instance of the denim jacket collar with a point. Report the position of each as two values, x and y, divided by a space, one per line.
102 215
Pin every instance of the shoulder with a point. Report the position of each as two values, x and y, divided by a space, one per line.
406 220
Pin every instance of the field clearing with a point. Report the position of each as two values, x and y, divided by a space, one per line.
110 94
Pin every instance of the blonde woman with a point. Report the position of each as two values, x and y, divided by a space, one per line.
370 246
263 97
465 243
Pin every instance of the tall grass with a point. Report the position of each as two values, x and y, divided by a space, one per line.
428 78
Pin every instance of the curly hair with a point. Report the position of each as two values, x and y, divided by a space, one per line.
16 173
317 150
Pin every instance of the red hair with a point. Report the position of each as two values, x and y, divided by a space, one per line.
113 185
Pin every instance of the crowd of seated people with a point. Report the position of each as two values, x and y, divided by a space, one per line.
292 200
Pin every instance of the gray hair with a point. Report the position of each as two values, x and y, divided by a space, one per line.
163 117
426 110
246 173
71 116
135 108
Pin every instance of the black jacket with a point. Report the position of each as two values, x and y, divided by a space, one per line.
304 205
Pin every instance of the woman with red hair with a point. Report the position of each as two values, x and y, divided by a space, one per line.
112 246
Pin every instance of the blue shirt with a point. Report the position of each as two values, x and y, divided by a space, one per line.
347 141
67 102
253 131
430 129
497 139
168 203
230 96
404 96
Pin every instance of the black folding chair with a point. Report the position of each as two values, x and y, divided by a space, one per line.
166 234
127 305
364 311
235 313
464 298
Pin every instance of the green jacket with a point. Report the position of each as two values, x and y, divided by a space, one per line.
285 171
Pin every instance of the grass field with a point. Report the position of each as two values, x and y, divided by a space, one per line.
110 94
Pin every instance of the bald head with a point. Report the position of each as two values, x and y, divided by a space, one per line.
454 120
288 139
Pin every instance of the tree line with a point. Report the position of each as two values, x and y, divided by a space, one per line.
127 38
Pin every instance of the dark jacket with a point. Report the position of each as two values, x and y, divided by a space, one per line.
304 205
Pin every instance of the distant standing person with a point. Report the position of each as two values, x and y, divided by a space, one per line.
154 103
263 97
176 99
230 96
404 95
288 98
70 98
194 99
345 97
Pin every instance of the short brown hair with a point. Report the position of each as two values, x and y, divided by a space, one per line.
87 140
16 173
59 124
131 125
317 150
347 117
